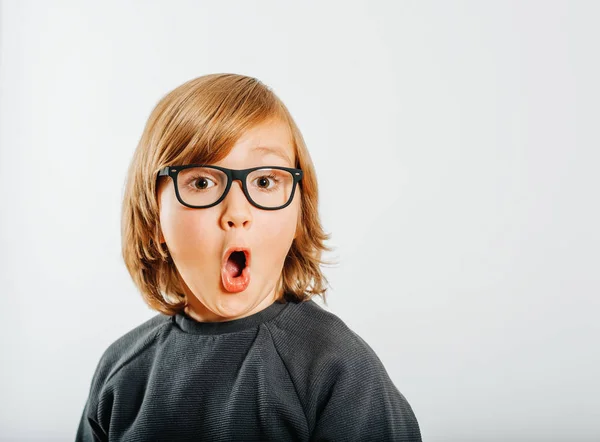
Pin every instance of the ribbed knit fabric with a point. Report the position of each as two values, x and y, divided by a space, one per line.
291 372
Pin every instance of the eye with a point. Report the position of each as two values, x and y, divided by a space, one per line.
264 180
201 182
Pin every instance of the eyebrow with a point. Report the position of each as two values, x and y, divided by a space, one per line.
272 150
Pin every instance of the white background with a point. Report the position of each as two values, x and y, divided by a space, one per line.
457 150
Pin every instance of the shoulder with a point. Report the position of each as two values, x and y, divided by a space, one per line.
343 385
306 327
322 355
128 346
319 349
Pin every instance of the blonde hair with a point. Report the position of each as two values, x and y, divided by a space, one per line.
199 122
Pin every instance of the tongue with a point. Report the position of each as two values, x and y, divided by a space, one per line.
233 268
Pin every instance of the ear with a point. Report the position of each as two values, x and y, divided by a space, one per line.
160 235
298 225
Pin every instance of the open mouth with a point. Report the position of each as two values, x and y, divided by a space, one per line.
235 270
236 263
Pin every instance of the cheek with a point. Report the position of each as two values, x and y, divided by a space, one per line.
277 234
187 235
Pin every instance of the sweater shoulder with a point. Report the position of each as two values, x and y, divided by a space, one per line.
128 346
316 333
319 349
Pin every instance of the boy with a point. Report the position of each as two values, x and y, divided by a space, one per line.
222 236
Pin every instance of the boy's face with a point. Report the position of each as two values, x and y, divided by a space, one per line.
198 238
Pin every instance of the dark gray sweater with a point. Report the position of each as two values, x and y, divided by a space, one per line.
293 371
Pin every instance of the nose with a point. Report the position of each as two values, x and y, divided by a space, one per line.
236 212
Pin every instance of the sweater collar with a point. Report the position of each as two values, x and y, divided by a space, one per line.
190 325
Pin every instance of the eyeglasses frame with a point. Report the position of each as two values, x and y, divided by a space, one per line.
232 175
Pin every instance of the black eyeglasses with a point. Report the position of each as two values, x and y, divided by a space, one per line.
200 186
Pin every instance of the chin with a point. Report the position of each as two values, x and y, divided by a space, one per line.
235 304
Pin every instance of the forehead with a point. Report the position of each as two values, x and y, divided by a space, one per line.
277 151
270 141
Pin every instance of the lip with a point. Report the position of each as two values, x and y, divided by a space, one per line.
232 249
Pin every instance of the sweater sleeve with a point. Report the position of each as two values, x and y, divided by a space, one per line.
89 429
363 404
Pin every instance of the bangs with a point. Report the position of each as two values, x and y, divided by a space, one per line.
205 118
